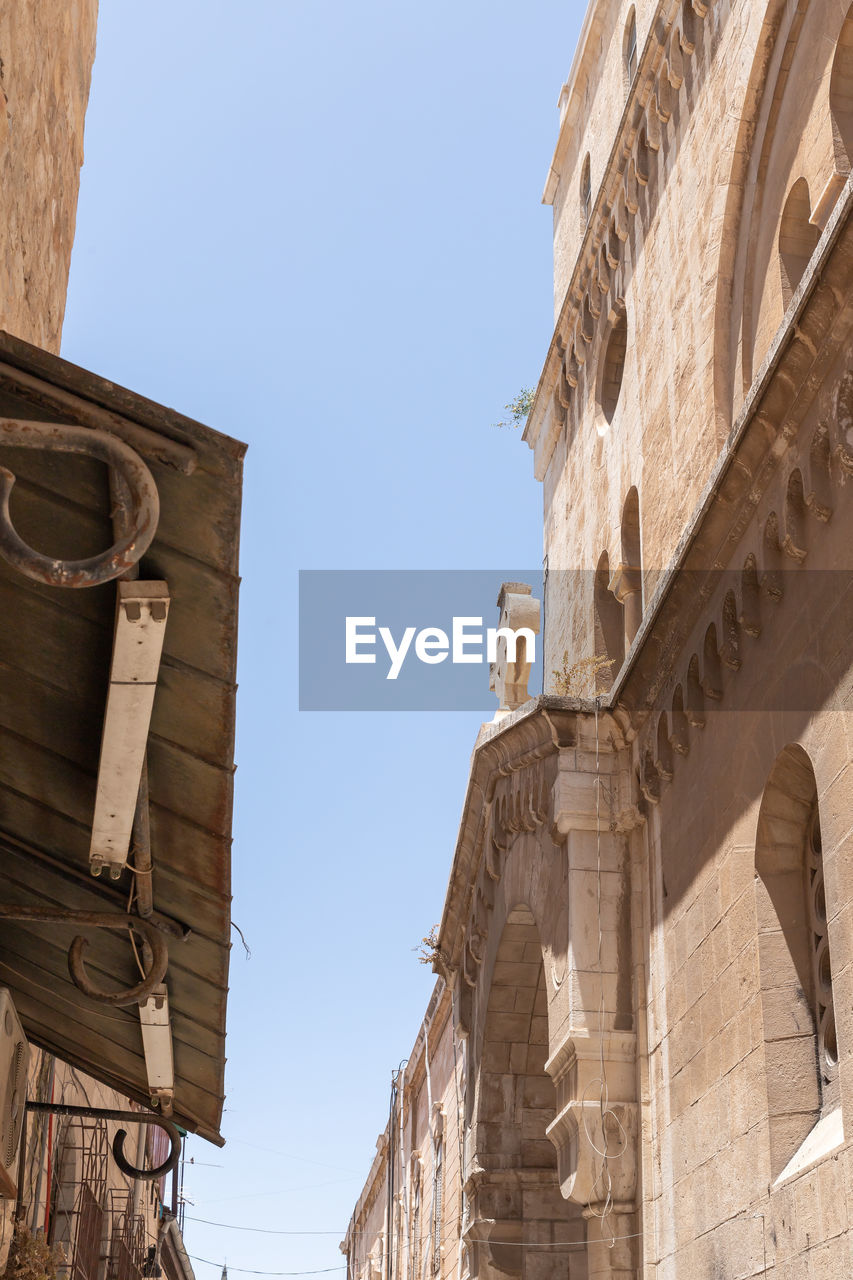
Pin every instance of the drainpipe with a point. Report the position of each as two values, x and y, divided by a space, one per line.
47 1133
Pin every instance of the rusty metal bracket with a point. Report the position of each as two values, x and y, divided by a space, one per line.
107 448
131 1117
156 952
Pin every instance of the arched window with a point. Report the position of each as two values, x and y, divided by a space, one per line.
797 239
630 51
631 592
613 367
609 627
517 1188
585 193
800 1043
841 96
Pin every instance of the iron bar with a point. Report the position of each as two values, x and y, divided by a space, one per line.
131 1117
155 963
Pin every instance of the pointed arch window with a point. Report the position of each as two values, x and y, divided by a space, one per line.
586 193
608 626
630 591
631 51
841 96
798 1012
798 238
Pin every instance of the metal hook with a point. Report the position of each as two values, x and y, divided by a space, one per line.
145 504
156 966
148 1175
131 1117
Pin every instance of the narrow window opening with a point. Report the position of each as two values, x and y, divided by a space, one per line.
631 55
797 239
632 574
586 194
798 1013
609 627
823 1000
613 368
841 96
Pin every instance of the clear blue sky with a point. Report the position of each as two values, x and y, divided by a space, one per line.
317 227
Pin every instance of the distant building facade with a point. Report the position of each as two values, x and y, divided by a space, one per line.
638 1060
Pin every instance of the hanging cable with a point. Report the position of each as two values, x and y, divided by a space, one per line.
249 1271
603 1183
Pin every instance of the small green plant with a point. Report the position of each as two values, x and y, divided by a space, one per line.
580 680
31 1257
518 409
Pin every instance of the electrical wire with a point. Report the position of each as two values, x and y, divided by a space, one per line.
249 1271
267 1231
246 947
286 1155
280 1191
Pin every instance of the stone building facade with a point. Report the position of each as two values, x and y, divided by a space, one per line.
46 55
638 1061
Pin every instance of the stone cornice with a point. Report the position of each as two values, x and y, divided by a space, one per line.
439 1009
571 92
817 321
539 729
374 1182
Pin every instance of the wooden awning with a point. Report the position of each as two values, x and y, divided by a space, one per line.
55 652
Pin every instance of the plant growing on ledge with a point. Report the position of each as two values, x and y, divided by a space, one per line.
518 409
428 949
580 680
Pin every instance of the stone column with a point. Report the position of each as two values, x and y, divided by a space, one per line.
595 1129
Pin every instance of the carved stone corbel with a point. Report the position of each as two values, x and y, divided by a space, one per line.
581 1134
573 800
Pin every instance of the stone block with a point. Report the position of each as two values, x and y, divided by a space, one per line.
538 1154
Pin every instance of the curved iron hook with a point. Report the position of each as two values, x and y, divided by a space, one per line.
155 968
132 1117
66 438
148 1175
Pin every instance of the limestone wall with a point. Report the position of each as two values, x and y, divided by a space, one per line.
46 53
675 867
426 1209
590 106
689 184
